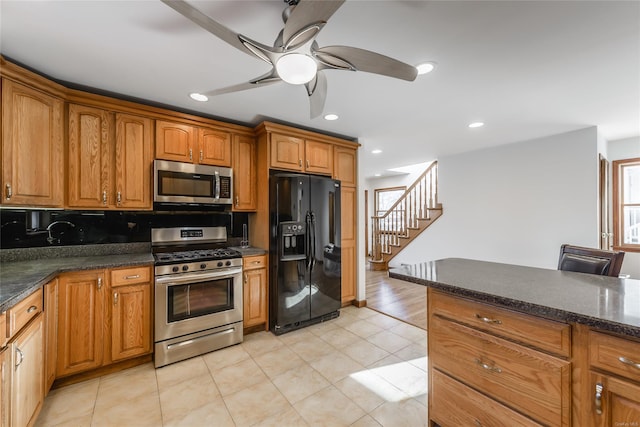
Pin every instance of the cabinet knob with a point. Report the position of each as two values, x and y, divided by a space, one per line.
9 191
598 401
300 162
190 154
99 282
201 155
245 278
237 201
115 298
307 164
119 198
104 197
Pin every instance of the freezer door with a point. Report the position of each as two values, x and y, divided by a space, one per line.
324 234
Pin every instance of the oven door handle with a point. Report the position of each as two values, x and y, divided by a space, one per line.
197 277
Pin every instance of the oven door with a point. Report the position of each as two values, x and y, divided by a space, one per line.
192 302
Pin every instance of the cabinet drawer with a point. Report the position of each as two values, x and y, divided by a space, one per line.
548 335
454 404
253 262
20 314
130 276
617 355
532 382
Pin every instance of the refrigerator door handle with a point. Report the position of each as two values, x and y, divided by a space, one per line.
313 240
307 242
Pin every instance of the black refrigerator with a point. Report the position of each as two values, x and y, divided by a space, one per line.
305 278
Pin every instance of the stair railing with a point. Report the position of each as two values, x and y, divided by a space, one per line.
411 206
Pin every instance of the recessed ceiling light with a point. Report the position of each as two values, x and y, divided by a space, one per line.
377 174
426 67
331 117
376 151
199 97
476 125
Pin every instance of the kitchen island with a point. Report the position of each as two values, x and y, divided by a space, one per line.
515 345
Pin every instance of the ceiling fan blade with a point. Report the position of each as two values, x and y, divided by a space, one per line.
261 81
207 23
305 13
371 62
317 90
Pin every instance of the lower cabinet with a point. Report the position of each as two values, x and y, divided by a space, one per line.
5 383
27 385
50 333
104 316
254 290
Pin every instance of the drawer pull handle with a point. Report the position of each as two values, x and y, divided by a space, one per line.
488 367
598 402
629 362
135 276
488 320
21 357
255 262
32 309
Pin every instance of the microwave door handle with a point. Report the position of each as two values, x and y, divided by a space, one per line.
217 190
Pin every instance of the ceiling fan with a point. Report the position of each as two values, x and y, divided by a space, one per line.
295 55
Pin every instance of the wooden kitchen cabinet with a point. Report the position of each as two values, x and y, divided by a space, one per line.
5 384
133 162
81 320
181 142
244 173
467 349
130 312
32 147
254 290
344 166
615 380
301 155
27 377
50 333
109 159
348 206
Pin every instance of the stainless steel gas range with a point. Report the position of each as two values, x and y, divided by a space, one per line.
198 292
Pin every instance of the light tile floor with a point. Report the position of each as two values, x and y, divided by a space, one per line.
362 369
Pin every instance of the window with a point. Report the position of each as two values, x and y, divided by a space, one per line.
626 204
385 198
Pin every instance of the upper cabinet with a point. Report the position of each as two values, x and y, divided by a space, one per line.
32 147
244 173
344 165
300 155
110 159
185 143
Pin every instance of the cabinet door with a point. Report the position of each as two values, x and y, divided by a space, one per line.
27 383
90 143
133 162
32 147
255 297
80 321
344 166
51 333
214 147
318 157
348 215
131 321
5 385
618 403
244 173
287 152
175 141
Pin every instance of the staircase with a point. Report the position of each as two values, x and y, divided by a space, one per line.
413 213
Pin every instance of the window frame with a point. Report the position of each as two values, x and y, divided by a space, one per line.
618 204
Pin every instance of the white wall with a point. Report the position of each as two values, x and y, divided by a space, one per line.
626 149
515 203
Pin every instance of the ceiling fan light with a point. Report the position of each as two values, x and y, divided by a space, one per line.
426 67
296 68
199 97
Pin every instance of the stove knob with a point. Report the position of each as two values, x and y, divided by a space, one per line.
219 263
228 263
203 266
185 267
175 269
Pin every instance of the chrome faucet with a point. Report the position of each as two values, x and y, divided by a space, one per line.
52 239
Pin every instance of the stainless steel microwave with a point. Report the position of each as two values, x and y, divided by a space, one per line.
187 183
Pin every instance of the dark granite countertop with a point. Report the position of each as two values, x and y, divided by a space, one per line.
602 302
249 251
20 276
